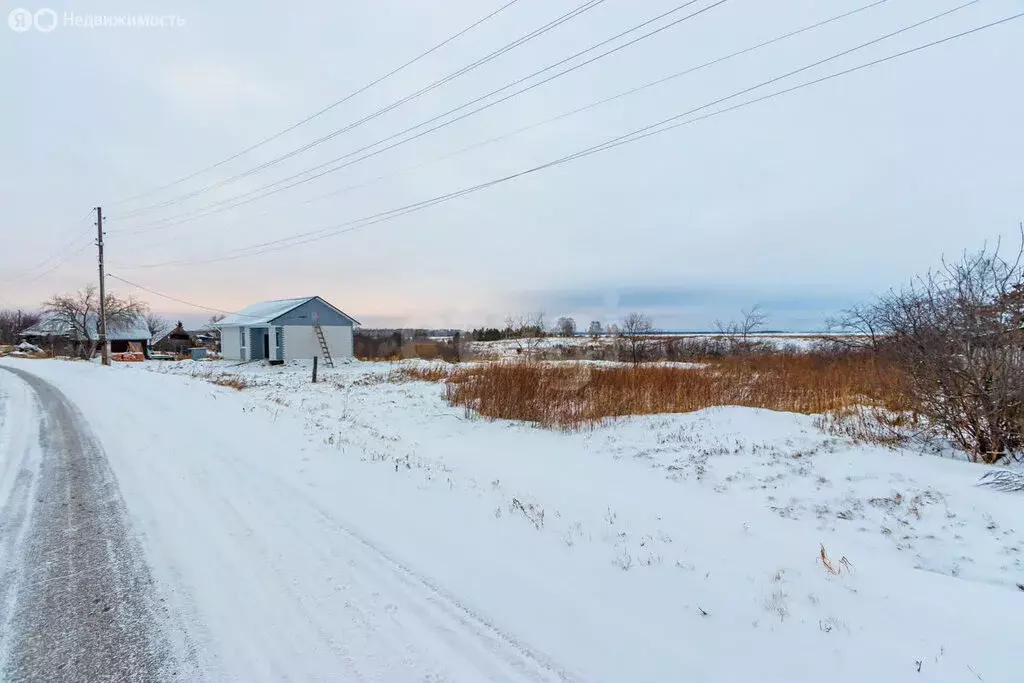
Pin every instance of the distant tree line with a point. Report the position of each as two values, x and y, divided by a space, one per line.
523 327
408 333
486 334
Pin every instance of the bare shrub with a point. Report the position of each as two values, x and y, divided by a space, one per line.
957 334
693 349
595 330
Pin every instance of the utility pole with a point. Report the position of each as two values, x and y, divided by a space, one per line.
103 289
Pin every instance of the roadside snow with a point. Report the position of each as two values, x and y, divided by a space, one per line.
20 455
679 547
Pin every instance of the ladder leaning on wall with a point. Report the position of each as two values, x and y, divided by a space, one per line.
323 345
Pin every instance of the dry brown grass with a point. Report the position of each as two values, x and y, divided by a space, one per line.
831 566
571 396
234 381
418 373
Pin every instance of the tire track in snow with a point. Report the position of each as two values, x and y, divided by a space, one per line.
461 628
274 587
19 465
81 604
277 588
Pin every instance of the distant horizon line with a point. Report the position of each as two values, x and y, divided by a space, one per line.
583 333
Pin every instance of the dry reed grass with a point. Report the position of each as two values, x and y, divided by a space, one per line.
234 381
434 372
572 396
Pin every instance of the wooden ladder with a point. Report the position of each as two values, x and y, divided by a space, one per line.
323 346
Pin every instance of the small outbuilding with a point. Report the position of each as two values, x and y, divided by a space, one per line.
287 329
58 336
177 341
181 341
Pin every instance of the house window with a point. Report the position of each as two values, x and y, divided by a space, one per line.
277 337
241 337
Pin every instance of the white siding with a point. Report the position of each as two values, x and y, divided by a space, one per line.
229 348
300 342
339 340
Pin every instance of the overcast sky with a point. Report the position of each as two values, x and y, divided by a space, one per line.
804 203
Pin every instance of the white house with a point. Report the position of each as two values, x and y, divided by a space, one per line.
287 329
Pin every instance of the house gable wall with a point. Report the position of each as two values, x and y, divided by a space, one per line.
303 315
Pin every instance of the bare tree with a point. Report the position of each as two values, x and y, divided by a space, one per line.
77 315
737 332
527 331
637 328
751 320
157 325
957 334
211 327
595 329
565 327
12 322
858 327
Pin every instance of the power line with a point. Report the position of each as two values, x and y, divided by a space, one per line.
175 299
60 252
226 204
170 222
586 6
78 236
58 264
57 258
633 136
323 111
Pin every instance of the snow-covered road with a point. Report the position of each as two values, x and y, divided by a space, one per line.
263 582
76 599
363 529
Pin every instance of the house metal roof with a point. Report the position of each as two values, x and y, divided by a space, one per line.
265 311
51 326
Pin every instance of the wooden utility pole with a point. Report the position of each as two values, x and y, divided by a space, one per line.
103 290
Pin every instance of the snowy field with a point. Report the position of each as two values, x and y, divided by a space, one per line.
731 544
508 348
